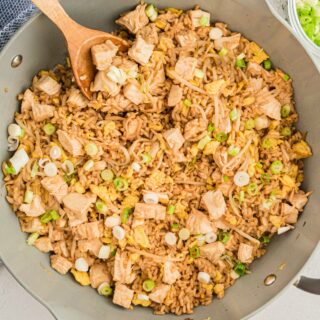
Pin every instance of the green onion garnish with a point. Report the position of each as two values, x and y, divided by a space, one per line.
210 127
194 252
223 236
125 215
286 77
234 114
148 285
204 21
267 64
276 167
203 142
9 169
101 207
249 124
146 158
233 151
106 291
264 239
187 102
240 269
225 178
223 52
49 129
221 137
107 175
32 238
91 149
175 226
286 132
266 143
252 189
241 196
285 110
120 184
240 63
171 209
151 12
49 216
265 178
28 197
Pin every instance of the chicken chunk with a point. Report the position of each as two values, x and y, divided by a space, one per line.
60 248
34 209
92 246
175 95
229 43
194 128
122 271
122 296
132 92
56 186
89 230
48 85
174 138
103 83
77 99
254 69
134 20
185 67
198 222
128 66
198 15
132 127
56 235
245 253
271 108
255 84
290 213
141 51
102 54
70 144
298 200
170 273
33 225
212 251
98 274
42 112
149 211
186 38
215 204
60 264
27 101
159 293
79 203
149 34
43 244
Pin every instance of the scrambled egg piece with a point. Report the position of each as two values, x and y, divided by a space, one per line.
301 150
81 277
140 237
130 201
288 181
276 221
211 147
258 54
215 86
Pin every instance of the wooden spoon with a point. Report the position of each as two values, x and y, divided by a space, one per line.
79 42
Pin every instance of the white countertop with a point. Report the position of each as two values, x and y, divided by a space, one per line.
293 304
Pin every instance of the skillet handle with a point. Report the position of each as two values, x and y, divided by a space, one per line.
310 285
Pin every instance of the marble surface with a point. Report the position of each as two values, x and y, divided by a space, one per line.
293 304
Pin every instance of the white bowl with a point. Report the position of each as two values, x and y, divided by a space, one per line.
295 23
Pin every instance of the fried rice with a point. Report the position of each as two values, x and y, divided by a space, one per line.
164 187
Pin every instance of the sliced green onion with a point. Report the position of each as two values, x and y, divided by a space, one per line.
125 215
148 285
91 149
101 207
88 165
264 239
48 216
221 137
240 269
252 189
211 127
146 158
198 73
120 184
55 215
286 132
286 77
113 251
267 64
233 151
106 291
276 167
171 209
23 132
285 110
265 178
259 165
32 238
107 175
9 169
223 52
241 196
240 63
69 177
204 21
249 124
203 142
225 178
223 236
187 102
49 129
151 12
234 114
194 252
28 196
266 143
175 226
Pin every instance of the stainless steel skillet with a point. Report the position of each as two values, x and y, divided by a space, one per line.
42 46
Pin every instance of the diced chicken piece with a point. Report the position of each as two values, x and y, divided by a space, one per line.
43 244
298 200
134 20
159 293
122 271
98 274
245 253
220 157
60 248
102 54
149 211
156 80
229 43
128 66
255 84
33 225
132 92
122 296
271 108
212 251
103 83
92 246
56 186
193 128
170 273
90 230
215 204
74 219
254 69
42 111
175 95
132 127
178 156
60 264
70 144
198 222
27 101
149 34
197 15
186 38
34 209
225 124
137 222
290 213
79 203
174 138
56 235
77 99
185 67
48 85
141 51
